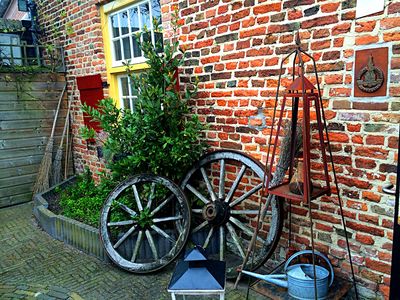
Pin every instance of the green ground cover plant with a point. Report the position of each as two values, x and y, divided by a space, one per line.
83 200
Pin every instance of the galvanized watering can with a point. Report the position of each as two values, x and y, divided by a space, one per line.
299 279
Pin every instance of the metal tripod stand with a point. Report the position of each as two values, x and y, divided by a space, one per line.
302 93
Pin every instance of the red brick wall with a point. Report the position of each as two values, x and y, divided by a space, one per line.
76 26
235 47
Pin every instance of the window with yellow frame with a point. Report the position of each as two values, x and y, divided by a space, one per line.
122 20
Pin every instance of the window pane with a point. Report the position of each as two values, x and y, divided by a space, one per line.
136 49
147 37
127 47
124 86
124 22
145 14
158 39
117 50
156 10
132 89
126 101
133 103
134 15
114 24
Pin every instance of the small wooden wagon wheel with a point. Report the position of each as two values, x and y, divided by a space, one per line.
224 189
145 223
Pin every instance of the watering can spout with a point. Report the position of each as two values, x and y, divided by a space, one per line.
278 279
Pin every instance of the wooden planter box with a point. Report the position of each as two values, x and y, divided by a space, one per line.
71 232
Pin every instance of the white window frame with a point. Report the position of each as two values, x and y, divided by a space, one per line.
131 98
132 60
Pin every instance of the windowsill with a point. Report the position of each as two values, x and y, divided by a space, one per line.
132 62
135 67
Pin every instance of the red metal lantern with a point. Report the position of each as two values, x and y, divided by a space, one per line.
302 93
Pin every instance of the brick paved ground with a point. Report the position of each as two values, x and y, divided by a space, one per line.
34 266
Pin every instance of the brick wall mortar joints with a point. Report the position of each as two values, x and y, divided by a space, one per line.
349 42
379 209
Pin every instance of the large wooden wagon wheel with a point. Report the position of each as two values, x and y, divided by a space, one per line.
224 188
145 223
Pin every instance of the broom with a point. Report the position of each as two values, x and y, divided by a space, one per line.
58 158
42 180
68 147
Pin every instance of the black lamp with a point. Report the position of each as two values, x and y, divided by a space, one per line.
196 275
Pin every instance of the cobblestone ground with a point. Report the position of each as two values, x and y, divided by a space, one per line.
35 266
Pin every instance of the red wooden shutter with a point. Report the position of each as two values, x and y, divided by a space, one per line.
91 90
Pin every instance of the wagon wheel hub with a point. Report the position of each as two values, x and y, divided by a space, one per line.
144 219
216 213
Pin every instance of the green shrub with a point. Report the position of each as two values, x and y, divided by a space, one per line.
161 135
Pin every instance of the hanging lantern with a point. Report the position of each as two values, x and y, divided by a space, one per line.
301 93
196 275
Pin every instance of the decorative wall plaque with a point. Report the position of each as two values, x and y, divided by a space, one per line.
370 78
371 72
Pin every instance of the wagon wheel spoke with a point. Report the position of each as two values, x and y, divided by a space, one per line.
208 184
201 226
127 209
137 246
121 223
222 243
236 239
207 241
137 198
236 183
151 196
197 194
244 228
167 219
221 189
161 206
197 211
162 233
246 195
151 244
245 212
124 237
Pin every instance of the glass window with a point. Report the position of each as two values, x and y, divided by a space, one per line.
145 13
127 99
10 55
126 23
134 19
115 26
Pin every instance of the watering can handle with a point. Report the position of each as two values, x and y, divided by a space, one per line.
310 252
